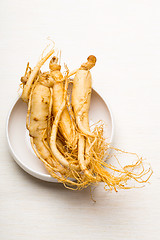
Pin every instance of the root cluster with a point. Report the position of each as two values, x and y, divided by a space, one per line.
82 157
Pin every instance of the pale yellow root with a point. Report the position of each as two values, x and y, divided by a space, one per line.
29 104
28 85
56 153
88 154
39 111
82 128
38 115
48 160
53 136
81 94
65 124
49 124
81 146
60 146
83 163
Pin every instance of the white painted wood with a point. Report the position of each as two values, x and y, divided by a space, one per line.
125 37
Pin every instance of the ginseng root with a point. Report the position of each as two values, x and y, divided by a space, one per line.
66 126
38 124
57 154
33 75
60 133
81 94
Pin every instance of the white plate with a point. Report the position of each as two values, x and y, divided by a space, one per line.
19 142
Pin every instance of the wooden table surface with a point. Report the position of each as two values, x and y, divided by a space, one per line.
125 37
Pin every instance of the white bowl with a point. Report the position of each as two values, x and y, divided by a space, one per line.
19 141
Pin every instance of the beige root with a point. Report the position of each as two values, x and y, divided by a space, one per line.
37 121
53 125
28 85
81 93
66 126
57 154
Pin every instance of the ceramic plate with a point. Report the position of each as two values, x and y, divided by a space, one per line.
19 141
